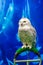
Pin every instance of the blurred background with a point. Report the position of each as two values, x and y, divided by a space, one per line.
11 11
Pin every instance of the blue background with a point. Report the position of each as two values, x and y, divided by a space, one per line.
11 11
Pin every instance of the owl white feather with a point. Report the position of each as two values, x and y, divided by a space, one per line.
27 33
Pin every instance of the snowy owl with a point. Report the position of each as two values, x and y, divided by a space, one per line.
27 33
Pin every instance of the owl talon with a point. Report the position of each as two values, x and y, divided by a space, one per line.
29 47
24 46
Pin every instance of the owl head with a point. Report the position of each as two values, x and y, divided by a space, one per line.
24 22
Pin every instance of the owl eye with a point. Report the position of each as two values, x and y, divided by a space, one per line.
21 24
24 21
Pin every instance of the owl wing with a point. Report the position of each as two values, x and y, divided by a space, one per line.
34 34
27 37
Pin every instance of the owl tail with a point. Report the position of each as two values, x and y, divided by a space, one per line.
27 49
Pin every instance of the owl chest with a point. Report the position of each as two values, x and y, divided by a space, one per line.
25 37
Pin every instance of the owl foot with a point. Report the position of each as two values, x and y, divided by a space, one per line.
29 46
23 46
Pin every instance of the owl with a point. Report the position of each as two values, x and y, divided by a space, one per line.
27 33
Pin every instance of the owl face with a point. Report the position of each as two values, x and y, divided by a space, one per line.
24 22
